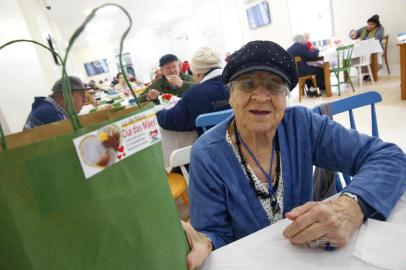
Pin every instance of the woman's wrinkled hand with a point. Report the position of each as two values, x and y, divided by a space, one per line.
336 220
199 244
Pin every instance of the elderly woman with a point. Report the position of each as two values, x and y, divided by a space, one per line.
301 49
374 29
256 168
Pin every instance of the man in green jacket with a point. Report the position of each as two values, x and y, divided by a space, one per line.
172 81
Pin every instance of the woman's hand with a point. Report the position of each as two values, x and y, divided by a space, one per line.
199 244
335 220
153 94
353 34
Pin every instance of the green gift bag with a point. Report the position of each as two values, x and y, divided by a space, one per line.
52 217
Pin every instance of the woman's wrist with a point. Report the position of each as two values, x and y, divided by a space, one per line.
352 209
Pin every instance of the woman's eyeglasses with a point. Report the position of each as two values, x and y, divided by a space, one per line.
248 85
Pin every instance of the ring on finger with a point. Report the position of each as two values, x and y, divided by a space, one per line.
320 242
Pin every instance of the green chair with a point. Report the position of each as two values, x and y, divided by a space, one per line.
344 54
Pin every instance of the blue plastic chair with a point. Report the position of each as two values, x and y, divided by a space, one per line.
207 120
348 104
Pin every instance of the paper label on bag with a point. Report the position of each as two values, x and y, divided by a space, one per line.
110 144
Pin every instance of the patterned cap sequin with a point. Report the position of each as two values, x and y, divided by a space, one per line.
262 55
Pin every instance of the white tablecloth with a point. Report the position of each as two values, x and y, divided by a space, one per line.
267 249
363 47
173 140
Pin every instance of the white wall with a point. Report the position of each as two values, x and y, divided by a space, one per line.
145 51
39 28
22 75
349 15
98 51
203 27
279 29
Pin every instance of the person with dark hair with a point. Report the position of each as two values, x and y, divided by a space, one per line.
172 81
255 168
374 29
50 109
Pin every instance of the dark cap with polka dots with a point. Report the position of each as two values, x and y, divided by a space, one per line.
262 55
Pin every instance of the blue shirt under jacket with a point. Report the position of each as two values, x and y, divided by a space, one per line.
224 206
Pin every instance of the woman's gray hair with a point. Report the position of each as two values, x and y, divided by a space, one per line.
299 39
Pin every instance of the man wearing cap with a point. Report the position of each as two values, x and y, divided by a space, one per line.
50 109
374 29
255 168
208 95
172 81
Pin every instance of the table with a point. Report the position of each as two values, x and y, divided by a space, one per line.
402 48
365 47
267 249
173 140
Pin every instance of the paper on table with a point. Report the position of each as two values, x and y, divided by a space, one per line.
382 244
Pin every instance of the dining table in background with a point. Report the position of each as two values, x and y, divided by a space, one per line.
370 47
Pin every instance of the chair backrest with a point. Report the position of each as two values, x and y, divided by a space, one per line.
365 60
344 54
180 158
348 104
384 43
356 101
207 120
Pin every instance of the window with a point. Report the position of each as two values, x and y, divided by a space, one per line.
311 16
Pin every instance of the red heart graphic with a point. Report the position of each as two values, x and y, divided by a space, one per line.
119 156
120 149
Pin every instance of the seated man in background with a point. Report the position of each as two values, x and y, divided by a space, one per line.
301 49
50 109
172 81
208 95
374 29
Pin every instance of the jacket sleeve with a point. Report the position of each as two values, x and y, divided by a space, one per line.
185 86
176 118
380 31
378 168
208 208
359 31
143 96
308 54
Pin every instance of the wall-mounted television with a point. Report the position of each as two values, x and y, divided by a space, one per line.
258 15
96 67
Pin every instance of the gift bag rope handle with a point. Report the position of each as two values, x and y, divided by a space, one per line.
3 140
66 89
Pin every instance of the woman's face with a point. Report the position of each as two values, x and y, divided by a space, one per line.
371 26
258 101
